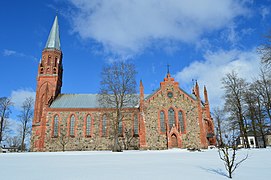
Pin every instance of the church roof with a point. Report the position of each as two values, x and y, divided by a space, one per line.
53 41
75 101
78 101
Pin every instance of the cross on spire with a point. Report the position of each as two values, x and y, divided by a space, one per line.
168 68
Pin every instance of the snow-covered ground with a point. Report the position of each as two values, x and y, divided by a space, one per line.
168 164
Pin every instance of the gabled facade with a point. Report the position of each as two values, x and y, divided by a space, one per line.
168 118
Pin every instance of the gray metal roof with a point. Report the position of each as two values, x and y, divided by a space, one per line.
53 41
76 101
82 101
86 101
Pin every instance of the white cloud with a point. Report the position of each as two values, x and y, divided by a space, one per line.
214 66
264 11
8 52
231 35
20 95
128 27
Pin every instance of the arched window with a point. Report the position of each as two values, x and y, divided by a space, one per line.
135 124
171 117
104 125
162 122
72 123
48 60
55 131
41 104
181 121
41 70
88 125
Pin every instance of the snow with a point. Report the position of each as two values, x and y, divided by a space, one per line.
167 164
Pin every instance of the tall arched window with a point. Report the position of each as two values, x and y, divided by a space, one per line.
41 104
72 123
181 121
171 117
104 125
55 130
135 124
88 125
162 122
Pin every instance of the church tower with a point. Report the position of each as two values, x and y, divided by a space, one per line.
49 82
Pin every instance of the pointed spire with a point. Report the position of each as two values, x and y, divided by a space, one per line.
168 72
206 95
53 41
168 68
197 89
141 89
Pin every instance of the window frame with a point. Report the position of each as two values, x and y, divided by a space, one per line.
160 122
169 118
55 130
88 126
72 125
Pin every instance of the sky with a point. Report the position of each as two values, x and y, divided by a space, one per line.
199 39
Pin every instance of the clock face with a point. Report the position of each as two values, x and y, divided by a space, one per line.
170 94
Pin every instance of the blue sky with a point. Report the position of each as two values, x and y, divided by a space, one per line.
200 40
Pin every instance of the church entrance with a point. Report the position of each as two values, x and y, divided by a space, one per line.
174 142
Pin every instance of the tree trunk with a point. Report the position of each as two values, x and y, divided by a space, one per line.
116 146
219 133
1 128
263 136
253 120
22 144
260 122
243 129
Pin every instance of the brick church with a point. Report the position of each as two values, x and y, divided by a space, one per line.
167 118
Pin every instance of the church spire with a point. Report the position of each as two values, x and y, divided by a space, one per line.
168 72
206 95
53 41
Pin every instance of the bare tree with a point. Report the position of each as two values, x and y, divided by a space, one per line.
25 118
260 114
7 130
265 51
118 91
262 86
127 138
13 141
5 104
220 125
228 154
63 138
234 96
251 100
260 119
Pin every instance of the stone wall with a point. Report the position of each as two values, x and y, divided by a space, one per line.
179 102
80 141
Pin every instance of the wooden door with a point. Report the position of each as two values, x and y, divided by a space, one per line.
174 142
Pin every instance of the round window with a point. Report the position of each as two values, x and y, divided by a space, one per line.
170 94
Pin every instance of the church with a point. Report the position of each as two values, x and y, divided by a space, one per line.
167 118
